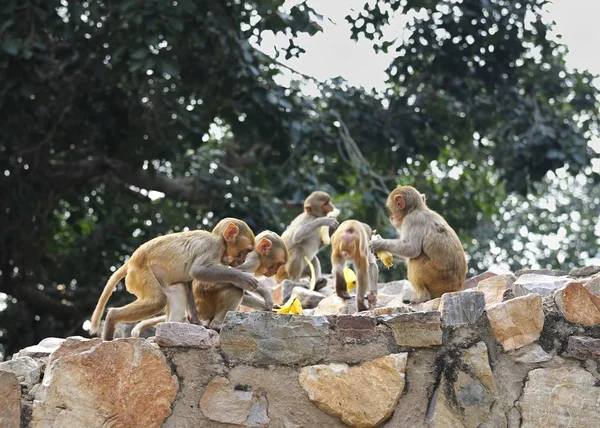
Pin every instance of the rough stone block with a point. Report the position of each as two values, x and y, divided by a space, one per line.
10 400
268 338
308 299
475 280
583 348
493 289
578 305
530 354
42 349
361 396
26 369
550 272
585 271
560 397
333 304
353 326
184 335
544 285
462 308
517 322
417 329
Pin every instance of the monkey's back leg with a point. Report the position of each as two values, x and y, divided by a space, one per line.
151 299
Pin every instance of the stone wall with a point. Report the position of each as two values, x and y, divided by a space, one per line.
513 350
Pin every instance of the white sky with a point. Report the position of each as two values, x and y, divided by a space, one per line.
331 53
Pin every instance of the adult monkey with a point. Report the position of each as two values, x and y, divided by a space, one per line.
176 258
350 242
213 300
303 238
436 258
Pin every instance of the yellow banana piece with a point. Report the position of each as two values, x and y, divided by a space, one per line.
386 258
325 229
292 306
350 278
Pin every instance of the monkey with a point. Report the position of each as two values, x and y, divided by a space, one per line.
303 240
172 259
213 300
436 258
350 242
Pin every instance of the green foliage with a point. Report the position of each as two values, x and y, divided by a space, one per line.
104 101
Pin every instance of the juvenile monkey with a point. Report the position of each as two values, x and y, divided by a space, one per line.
172 259
214 300
303 239
350 242
436 258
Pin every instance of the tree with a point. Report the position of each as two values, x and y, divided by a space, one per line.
104 101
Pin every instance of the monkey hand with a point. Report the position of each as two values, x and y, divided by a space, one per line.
377 245
330 222
248 281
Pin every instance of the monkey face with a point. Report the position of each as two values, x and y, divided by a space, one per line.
235 253
270 264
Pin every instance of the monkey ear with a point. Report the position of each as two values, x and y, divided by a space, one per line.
399 201
263 246
424 197
231 232
308 209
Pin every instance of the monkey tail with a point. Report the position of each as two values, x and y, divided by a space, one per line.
108 289
313 275
150 322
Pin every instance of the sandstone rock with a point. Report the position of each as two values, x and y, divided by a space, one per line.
125 382
550 272
333 304
593 285
475 280
390 310
10 400
582 272
530 354
384 300
544 285
416 329
476 358
268 338
429 305
517 322
493 289
462 308
26 369
361 396
560 397
42 349
226 403
581 347
393 288
178 334
353 326
308 299
440 413
578 305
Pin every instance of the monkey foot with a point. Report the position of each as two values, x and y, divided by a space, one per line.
344 295
320 283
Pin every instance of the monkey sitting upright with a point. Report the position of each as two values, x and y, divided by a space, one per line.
436 258
350 242
176 258
303 238
213 300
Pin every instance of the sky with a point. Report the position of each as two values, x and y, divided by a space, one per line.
331 53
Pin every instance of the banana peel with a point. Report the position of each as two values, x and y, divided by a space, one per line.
325 229
386 258
350 278
292 306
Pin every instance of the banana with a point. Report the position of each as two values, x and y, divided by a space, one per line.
292 306
350 278
386 258
325 229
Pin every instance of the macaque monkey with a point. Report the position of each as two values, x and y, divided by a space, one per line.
436 258
350 242
213 300
303 239
172 259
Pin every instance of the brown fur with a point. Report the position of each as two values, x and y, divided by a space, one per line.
302 236
171 259
350 242
436 258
